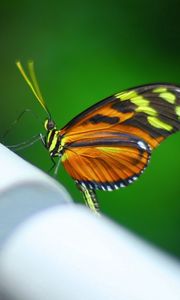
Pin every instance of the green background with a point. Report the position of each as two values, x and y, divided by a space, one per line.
85 51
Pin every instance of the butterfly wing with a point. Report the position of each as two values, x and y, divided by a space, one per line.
108 162
151 111
108 145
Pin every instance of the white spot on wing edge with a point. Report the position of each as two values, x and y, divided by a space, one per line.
109 188
103 188
122 185
142 145
116 187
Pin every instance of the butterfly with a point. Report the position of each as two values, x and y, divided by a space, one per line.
109 145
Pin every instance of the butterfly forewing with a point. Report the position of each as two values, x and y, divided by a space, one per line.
154 109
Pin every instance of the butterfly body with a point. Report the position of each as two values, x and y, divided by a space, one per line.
109 145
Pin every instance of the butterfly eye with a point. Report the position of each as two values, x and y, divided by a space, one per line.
49 124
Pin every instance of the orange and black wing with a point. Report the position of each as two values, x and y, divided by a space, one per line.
106 163
108 145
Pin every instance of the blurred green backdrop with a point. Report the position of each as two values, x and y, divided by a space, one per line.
85 51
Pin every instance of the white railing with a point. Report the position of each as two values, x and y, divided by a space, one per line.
52 249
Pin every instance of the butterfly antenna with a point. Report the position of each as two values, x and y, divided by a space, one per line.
33 84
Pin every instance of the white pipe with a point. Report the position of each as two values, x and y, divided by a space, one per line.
24 190
65 252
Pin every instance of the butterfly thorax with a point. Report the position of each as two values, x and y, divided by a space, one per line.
53 141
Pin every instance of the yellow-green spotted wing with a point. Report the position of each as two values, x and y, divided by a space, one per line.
109 145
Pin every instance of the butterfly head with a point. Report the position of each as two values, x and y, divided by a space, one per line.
49 124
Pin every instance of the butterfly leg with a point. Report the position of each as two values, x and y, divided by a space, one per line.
25 144
89 196
13 124
53 165
56 167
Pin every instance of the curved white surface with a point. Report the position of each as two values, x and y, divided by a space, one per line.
67 253
63 252
24 190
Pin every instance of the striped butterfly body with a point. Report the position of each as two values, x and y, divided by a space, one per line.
109 145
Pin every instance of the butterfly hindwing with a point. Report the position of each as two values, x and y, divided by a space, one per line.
106 163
